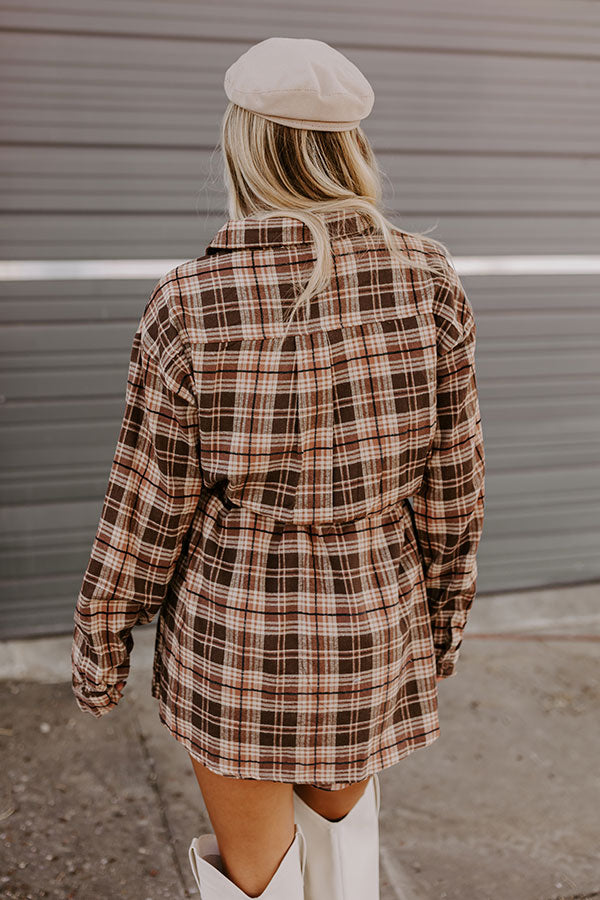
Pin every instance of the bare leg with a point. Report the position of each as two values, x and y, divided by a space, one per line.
333 805
254 821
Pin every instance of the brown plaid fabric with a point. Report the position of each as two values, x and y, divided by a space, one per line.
259 501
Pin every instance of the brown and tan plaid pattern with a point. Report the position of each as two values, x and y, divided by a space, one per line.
259 500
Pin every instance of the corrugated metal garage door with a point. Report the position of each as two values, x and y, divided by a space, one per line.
486 125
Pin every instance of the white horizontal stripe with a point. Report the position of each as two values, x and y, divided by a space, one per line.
67 269
527 265
47 270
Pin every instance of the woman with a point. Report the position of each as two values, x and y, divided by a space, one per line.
288 392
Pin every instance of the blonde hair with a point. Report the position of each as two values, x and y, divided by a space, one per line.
274 170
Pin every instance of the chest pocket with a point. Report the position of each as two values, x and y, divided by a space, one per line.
319 427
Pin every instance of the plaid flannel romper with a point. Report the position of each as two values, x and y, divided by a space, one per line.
303 513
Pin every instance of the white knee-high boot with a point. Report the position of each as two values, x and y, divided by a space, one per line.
342 858
286 884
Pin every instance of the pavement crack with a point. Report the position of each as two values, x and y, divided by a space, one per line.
593 896
153 782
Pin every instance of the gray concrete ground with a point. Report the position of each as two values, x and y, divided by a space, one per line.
503 806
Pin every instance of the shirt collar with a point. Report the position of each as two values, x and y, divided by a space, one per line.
239 234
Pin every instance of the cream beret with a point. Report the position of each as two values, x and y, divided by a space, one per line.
300 82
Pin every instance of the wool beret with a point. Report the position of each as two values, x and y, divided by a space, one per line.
300 82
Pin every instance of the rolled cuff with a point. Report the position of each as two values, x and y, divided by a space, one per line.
92 699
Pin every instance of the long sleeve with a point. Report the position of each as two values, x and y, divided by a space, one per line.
153 491
449 506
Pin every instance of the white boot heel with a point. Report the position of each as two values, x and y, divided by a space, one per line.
286 884
342 858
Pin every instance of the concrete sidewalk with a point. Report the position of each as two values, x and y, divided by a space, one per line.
503 806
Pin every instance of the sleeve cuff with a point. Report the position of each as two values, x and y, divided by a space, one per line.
447 641
445 666
95 701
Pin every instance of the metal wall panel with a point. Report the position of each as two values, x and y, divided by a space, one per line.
486 128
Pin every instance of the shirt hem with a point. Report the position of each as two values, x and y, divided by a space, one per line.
247 770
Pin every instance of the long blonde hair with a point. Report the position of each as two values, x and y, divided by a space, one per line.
274 170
